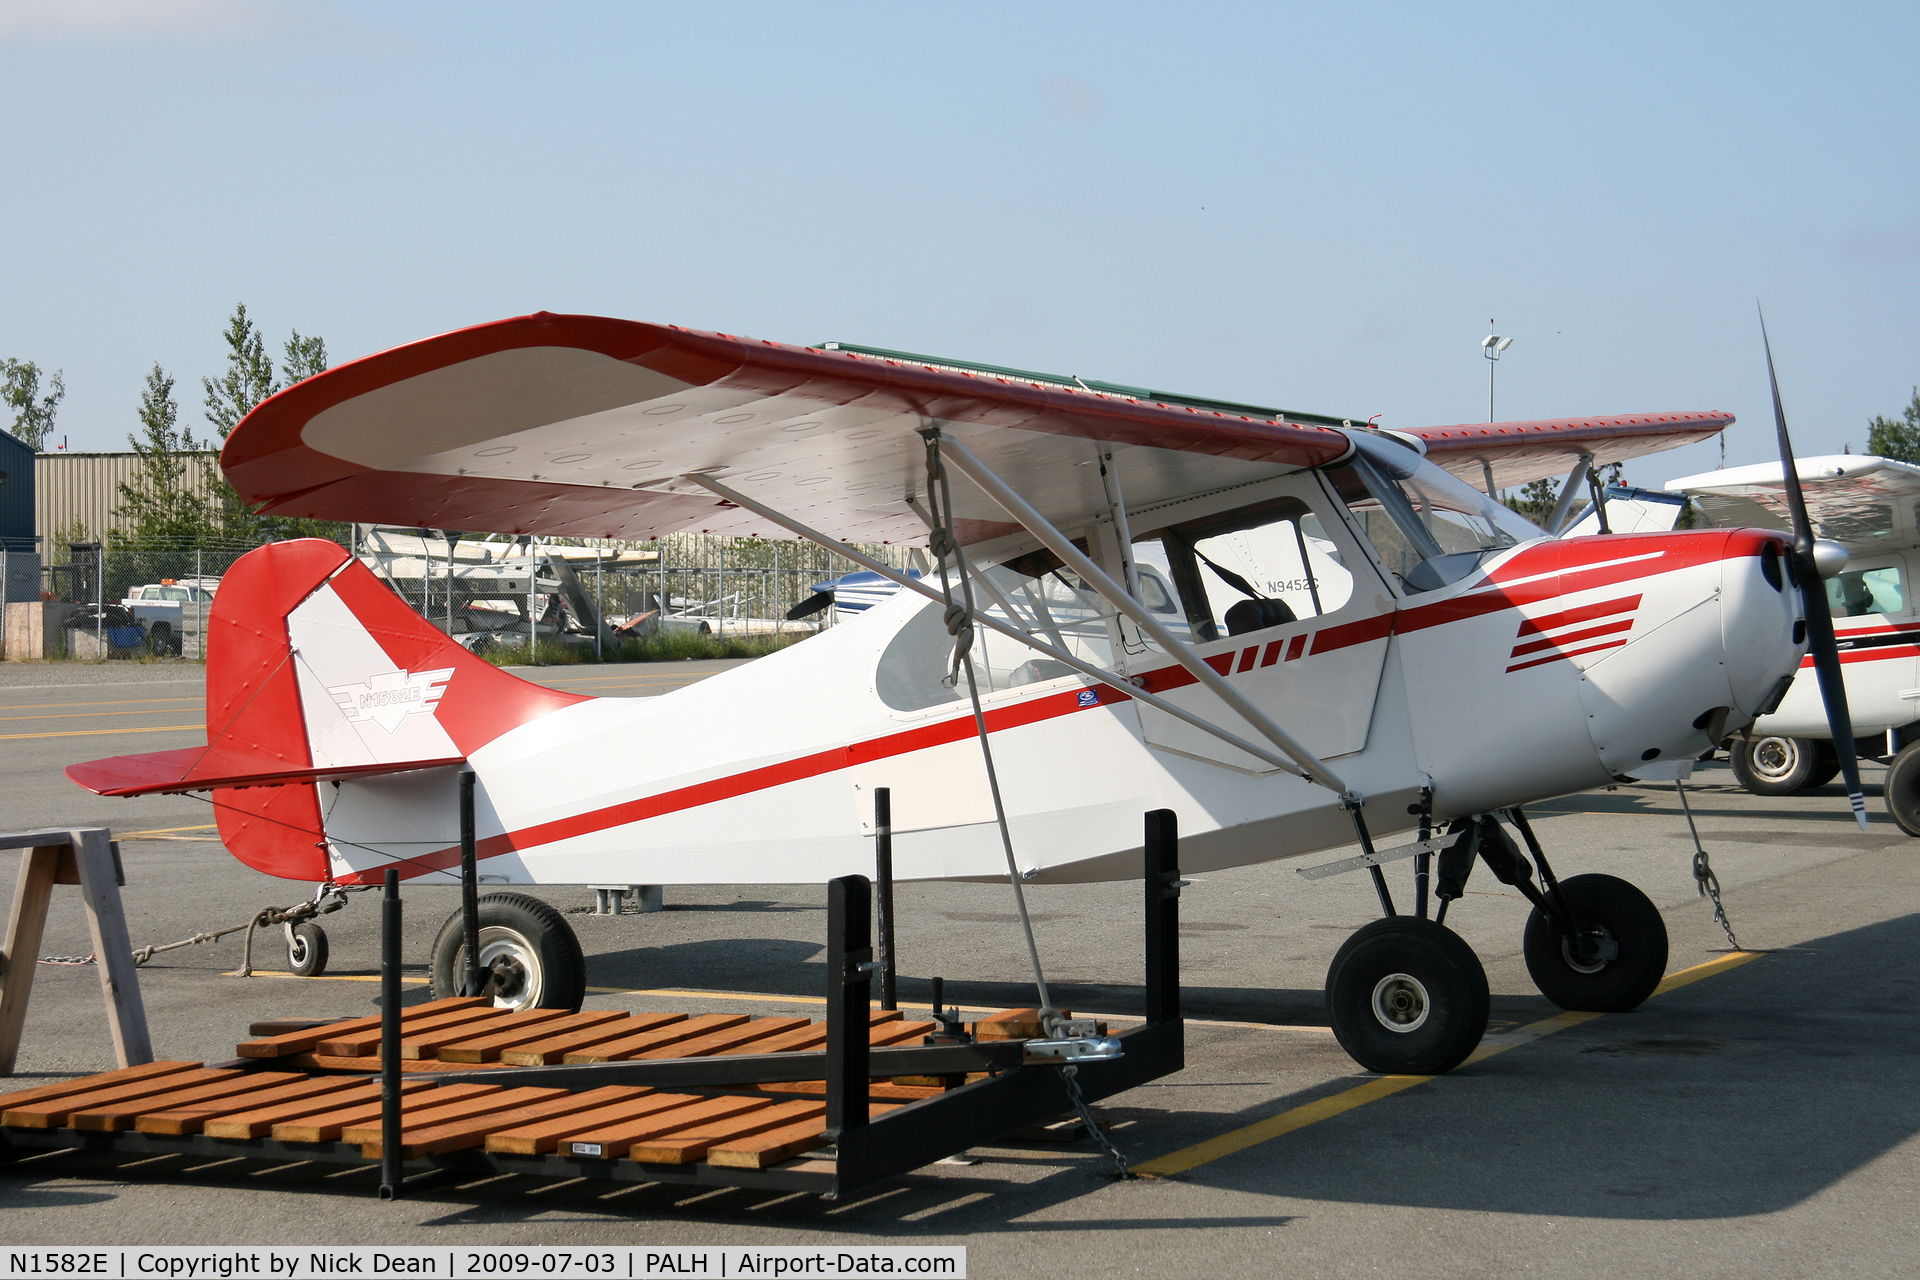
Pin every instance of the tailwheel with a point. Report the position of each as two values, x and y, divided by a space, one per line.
1616 956
529 956
1407 997
306 949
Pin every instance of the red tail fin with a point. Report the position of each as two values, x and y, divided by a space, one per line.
317 669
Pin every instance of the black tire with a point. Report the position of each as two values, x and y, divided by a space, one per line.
1777 766
535 955
1902 789
1633 942
160 640
307 951
1407 997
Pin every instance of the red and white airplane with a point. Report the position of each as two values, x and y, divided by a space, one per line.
1288 629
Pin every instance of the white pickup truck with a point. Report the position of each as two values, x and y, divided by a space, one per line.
173 611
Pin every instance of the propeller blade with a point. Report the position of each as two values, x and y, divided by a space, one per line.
811 605
1813 597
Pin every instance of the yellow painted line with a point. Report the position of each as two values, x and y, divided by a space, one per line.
330 977
1326 1108
95 715
119 702
91 733
167 831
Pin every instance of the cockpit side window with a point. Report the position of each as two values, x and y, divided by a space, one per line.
1033 592
1262 566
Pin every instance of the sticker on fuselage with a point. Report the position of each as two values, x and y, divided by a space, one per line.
1089 697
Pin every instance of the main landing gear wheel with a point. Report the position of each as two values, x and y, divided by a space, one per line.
529 956
1407 997
1902 789
1619 958
1776 766
306 949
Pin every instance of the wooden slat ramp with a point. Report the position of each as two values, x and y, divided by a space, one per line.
310 1085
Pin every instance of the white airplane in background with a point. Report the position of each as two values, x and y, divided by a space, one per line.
1870 506
1287 629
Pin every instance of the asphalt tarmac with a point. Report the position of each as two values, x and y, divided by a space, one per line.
1757 1118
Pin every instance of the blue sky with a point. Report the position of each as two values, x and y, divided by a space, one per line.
1312 206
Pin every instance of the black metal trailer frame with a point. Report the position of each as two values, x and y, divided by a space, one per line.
1014 1094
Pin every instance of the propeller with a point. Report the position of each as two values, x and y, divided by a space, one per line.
1813 595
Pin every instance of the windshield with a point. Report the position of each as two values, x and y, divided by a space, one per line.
1429 527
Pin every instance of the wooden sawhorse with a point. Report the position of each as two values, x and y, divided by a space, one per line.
87 857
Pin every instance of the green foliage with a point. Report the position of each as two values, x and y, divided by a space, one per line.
249 379
1536 501
168 501
33 410
1897 438
680 646
305 357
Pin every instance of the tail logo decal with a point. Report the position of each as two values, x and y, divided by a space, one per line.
388 699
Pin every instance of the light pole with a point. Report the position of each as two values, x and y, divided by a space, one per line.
1491 346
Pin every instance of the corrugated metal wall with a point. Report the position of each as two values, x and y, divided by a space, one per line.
85 487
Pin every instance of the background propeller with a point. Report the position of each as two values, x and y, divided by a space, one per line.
1813 596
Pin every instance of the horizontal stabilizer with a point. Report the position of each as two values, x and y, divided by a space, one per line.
157 773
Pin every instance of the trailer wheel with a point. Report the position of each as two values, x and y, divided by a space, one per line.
529 956
1407 997
307 950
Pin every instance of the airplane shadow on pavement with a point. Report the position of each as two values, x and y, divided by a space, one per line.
1741 1094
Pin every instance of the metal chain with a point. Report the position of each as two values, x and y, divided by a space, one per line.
1704 880
1068 1074
264 918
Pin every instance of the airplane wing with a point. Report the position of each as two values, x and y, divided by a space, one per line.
1851 498
1547 449
583 426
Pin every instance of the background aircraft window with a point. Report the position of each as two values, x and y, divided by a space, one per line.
1864 591
1034 593
1428 527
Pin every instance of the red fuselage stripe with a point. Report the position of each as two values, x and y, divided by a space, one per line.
1572 637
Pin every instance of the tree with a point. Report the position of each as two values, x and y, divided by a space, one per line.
32 411
305 357
249 377
1897 438
167 502
248 380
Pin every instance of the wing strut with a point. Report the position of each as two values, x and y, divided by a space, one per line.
1117 596
1110 678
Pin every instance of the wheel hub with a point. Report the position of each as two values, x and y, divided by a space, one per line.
1774 758
1401 1003
1591 950
511 966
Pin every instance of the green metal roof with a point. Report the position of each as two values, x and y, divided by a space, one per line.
1089 384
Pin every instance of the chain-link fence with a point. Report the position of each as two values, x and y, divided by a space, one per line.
603 600
119 599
